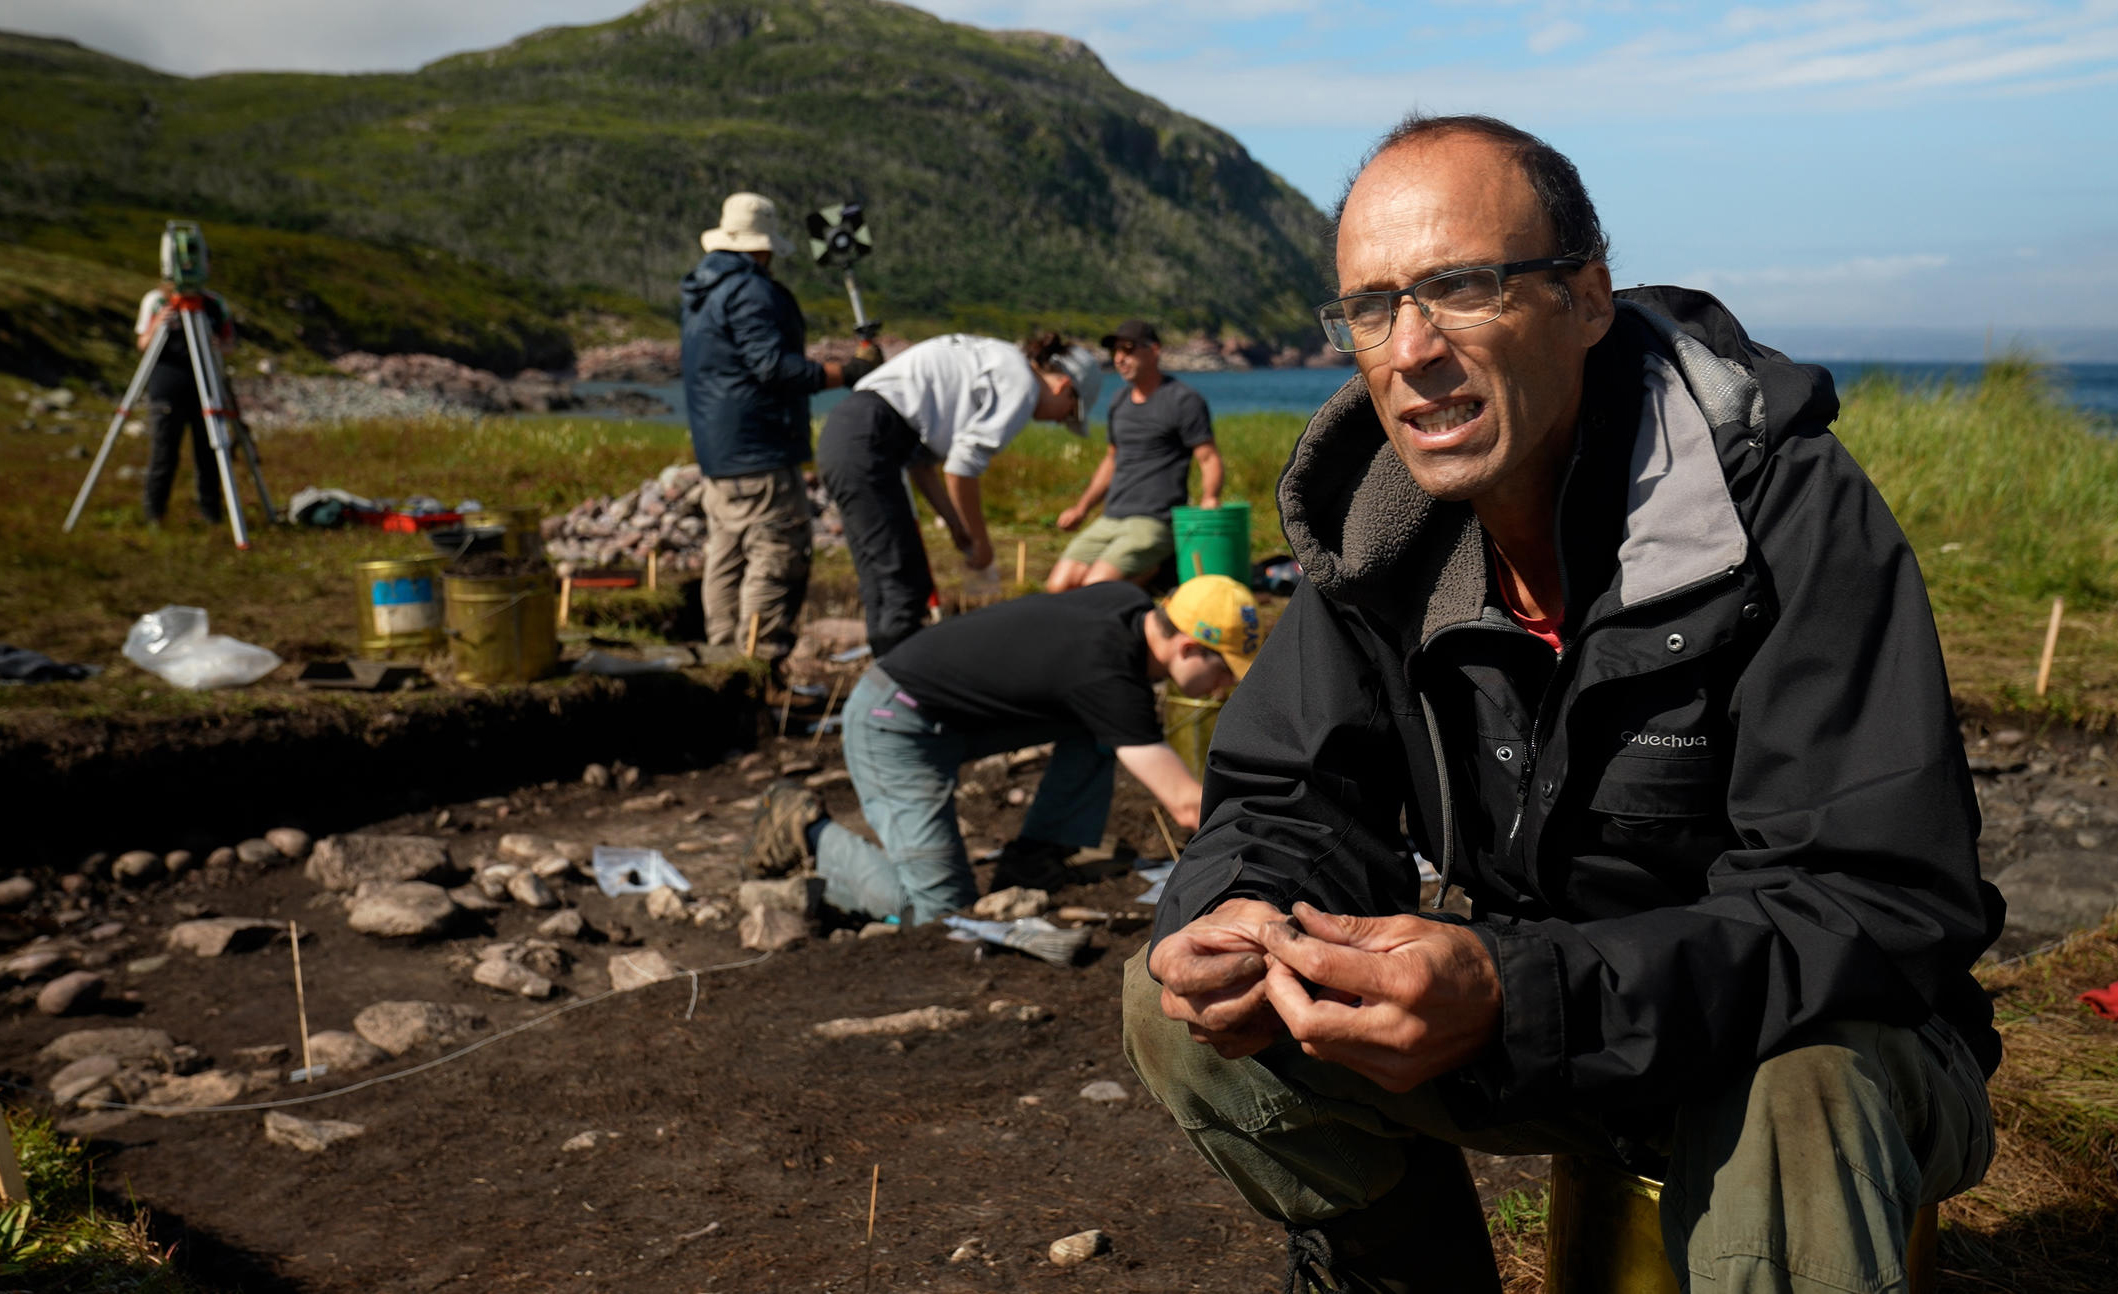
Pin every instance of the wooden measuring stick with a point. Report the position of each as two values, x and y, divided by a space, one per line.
301 1003
874 1184
653 559
816 738
1022 561
750 643
566 599
1163 825
2051 643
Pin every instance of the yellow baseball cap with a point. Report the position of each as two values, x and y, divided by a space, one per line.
1219 613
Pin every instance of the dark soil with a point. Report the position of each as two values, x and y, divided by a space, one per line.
744 1148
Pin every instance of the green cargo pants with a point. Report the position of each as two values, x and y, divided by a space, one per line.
1803 1174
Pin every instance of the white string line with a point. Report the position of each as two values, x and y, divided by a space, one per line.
458 1054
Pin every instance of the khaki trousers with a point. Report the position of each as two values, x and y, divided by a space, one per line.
1803 1174
758 541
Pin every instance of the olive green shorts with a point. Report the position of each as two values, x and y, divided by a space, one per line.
1135 545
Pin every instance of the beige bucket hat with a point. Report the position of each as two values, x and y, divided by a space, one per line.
749 223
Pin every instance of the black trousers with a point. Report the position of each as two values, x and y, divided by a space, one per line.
861 455
173 399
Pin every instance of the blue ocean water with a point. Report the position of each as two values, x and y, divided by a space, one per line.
2090 387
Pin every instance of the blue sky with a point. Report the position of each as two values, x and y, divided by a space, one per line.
1850 164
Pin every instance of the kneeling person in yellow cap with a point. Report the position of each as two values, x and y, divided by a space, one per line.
1076 669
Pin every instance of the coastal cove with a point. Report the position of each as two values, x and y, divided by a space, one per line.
2092 388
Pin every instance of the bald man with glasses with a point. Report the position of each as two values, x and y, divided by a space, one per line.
1602 617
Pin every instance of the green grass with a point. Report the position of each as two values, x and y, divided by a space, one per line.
61 1238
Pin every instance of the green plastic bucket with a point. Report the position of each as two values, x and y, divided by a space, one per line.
1213 541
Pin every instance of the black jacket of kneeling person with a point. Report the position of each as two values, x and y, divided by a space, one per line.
1735 803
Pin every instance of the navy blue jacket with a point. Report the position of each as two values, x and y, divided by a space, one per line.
746 380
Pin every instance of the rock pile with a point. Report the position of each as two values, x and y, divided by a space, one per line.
530 391
665 515
657 362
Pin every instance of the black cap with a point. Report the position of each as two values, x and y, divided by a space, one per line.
1132 330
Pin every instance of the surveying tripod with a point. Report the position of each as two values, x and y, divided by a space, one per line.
215 405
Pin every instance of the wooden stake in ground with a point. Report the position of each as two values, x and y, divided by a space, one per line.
301 1002
566 598
2051 643
653 556
817 738
874 1184
1167 839
750 643
786 708
1022 561
13 1189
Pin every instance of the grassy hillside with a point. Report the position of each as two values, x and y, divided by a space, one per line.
1008 176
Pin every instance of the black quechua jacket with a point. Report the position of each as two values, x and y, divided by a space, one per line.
1734 805
747 380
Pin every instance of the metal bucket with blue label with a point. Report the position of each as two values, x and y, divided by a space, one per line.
400 608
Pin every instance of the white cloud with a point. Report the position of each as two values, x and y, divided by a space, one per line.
1556 35
1858 272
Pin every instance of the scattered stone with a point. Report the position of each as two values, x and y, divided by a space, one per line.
829 777
1012 904
666 904
971 1250
222 857
551 867
214 936
595 775
522 847
29 965
407 910
104 932
340 1051
708 913
637 970
876 929
650 803
178 1093
587 1140
1017 796
71 993
925 1019
573 851
1105 1092
93 866
291 843
311 1135
121 1045
16 892
257 851
73 883
145 965
1023 1012
137 867
178 861
511 977
472 899
800 895
266 1055
562 925
1070 1251
796 767
529 889
768 930
623 776
492 880
398 1027
82 1077
1029 1099
2010 737
2051 894
341 863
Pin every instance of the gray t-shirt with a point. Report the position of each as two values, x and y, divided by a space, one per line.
1154 441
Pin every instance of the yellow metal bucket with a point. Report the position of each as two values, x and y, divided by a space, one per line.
524 527
502 629
1188 723
400 612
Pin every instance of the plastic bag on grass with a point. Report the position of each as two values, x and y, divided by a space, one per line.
173 645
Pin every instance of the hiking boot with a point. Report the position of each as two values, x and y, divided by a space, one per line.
1032 864
779 835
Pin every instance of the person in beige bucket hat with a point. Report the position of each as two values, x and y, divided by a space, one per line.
750 222
747 383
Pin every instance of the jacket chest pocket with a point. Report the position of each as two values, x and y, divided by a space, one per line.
1646 791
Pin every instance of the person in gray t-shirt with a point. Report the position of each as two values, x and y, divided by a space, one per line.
1158 429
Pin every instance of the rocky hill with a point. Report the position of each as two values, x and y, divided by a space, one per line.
501 206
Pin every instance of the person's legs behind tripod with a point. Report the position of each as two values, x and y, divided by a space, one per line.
173 401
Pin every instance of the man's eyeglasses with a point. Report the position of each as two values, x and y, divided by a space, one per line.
1462 298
